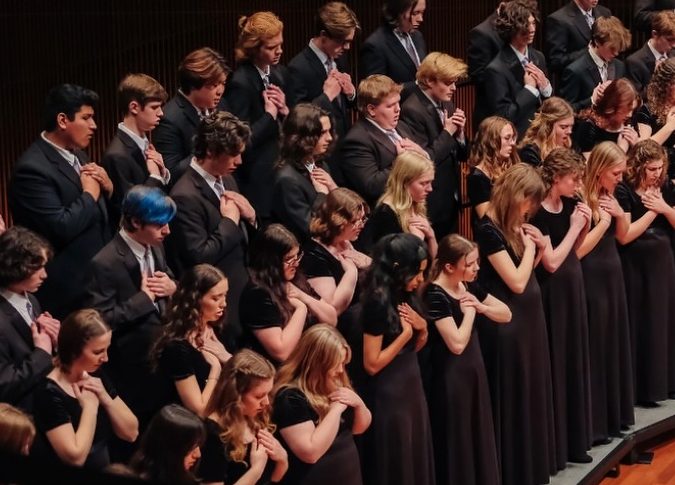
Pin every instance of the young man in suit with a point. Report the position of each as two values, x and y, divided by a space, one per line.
214 221
644 10
130 158
568 31
369 149
640 64
55 193
201 80
397 47
27 335
584 78
129 283
438 126
515 81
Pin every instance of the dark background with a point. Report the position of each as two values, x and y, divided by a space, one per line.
95 43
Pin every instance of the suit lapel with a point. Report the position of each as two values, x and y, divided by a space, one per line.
381 139
134 150
513 64
129 260
579 21
17 321
188 110
204 188
61 163
397 48
592 70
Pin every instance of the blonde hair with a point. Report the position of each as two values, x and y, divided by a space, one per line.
438 66
408 167
254 30
603 157
487 145
17 430
318 351
373 90
540 131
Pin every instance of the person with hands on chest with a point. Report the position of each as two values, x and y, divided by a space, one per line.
77 407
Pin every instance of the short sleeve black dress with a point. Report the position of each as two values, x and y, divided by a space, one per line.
608 339
180 360
519 371
645 117
461 410
649 273
586 134
54 407
383 220
530 154
398 446
338 466
478 189
258 311
564 299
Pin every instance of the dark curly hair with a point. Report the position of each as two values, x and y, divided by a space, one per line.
300 133
182 316
341 207
22 253
660 89
396 261
514 18
220 133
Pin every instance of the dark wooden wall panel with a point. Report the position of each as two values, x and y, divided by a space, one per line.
94 43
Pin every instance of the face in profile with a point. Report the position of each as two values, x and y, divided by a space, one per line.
562 132
412 18
80 130
213 303
325 139
468 266
418 279
526 209
611 176
442 90
95 352
152 234
269 53
191 458
291 262
335 373
421 187
256 399
208 96
387 112
148 118
33 281
334 48
507 141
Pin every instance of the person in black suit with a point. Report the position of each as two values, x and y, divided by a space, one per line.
129 283
214 220
27 336
257 93
584 79
640 64
644 11
54 193
302 181
130 158
396 47
438 127
568 31
201 80
369 149
515 81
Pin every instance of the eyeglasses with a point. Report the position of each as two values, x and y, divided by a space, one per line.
293 260
359 222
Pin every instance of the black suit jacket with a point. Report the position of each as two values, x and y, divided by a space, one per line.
366 157
114 289
243 98
126 166
640 66
644 9
503 91
580 78
484 45
421 118
199 234
568 34
173 136
22 366
383 53
46 196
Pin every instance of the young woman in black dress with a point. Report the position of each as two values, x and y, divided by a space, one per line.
398 447
551 128
318 413
77 408
170 447
516 355
608 335
649 269
492 152
566 221
240 448
461 411
188 354
277 302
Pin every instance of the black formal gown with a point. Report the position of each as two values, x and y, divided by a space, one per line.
519 371
608 339
459 403
338 466
478 189
649 273
530 154
564 299
180 360
587 134
258 311
398 445
382 221
645 116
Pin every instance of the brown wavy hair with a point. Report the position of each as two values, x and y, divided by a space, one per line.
254 30
558 163
540 131
300 132
618 94
487 144
451 249
660 90
341 207
640 154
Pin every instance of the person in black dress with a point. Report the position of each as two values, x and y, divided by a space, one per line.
77 409
608 326
170 447
656 118
492 152
460 407
551 128
609 119
402 207
317 411
277 303
240 447
516 355
565 221
649 269
398 448
188 355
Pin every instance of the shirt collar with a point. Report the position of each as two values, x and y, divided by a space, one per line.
18 302
265 73
378 126
142 142
521 57
319 53
596 58
137 248
210 179
435 103
199 110
67 154
585 12
657 55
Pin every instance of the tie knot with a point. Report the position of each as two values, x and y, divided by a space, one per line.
329 64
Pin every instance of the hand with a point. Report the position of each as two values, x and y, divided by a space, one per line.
213 361
585 210
214 346
49 325
146 289
345 83
3 226
535 234
272 447
297 304
458 119
41 340
627 138
85 397
421 339
229 209
605 216
269 105
422 224
324 178
278 97
407 144
154 161
468 302
90 185
598 92
528 242
347 264
100 175
361 260
653 200
529 79
611 205
246 210
258 456
406 327
293 291
95 385
539 77
405 312
318 186
670 119
161 284
331 86
347 397
578 219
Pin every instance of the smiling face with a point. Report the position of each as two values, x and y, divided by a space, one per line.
95 353
611 176
421 187
387 112
418 279
256 399
212 305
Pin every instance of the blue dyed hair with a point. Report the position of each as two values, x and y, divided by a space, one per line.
147 204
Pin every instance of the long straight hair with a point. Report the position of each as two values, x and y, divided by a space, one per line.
603 157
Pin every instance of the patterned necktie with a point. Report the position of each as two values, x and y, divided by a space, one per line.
147 262
603 72
410 48
77 166
30 311
220 188
266 81
525 61
441 113
329 65
393 136
590 20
